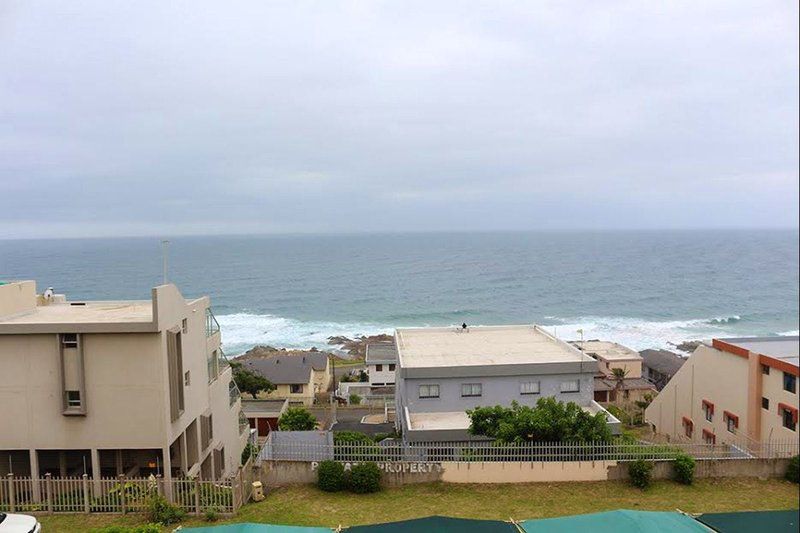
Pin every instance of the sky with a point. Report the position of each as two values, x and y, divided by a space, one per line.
195 117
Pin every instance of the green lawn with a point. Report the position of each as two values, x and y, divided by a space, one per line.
306 505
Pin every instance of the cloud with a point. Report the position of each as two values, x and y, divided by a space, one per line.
395 116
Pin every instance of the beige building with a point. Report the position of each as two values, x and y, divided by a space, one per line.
610 355
732 391
297 377
108 388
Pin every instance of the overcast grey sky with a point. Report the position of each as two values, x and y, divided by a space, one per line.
148 118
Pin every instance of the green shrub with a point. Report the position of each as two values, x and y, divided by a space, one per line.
351 437
159 510
211 514
364 478
144 528
793 472
641 473
330 476
297 419
355 399
249 451
684 468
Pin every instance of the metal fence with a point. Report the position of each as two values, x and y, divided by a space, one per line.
481 451
117 495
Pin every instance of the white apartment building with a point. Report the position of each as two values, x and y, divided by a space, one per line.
115 387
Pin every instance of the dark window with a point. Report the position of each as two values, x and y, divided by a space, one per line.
765 403
391 368
69 340
73 398
184 326
379 368
295 389
789 382
788 420
765 370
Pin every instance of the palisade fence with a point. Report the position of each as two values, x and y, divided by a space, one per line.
483 451
122 494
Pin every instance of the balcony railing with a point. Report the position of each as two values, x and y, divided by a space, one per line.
212 326
244 424
233 392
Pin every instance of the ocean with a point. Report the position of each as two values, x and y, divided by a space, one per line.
640 288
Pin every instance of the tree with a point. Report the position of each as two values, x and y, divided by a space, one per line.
618 375
549 421
297 419
250 382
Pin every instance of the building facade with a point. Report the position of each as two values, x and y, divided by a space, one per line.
109 388
732 391
658 366
610 356
443 372
297 377
381 361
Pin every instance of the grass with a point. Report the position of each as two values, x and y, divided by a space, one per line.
306 505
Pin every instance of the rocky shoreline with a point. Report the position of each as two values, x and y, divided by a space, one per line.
345 348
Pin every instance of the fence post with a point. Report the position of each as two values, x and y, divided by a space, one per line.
197 495
85 480
122 499
48 490
12 500
159 485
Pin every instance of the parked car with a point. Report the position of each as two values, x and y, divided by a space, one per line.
19 523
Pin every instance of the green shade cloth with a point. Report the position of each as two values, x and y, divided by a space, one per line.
437 524
772 521
256 528
622 521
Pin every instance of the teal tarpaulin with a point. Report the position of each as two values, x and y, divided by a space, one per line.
437 524
622 521
772 521
256 528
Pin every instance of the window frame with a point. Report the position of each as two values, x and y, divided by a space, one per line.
765 403
296 388
429 387
391 367
472 393
379 368
790 378
570 391
522 385
73 404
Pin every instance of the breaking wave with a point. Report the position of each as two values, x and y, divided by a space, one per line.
242 331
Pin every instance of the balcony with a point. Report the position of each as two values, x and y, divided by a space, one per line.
212 326
233 392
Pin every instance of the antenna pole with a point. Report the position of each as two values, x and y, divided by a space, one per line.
164 254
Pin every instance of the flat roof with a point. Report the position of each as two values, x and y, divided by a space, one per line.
267 408
381 351
482 345
444 420
783 348
86 312
607 350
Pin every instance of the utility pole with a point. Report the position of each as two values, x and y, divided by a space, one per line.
334 401
164 253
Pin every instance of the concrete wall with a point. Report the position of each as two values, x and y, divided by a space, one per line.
709 374
17 297
497 390
772 419
384 376
278 473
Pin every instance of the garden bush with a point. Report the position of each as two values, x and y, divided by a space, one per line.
684 468
641 473
330 476
355 399
364 478
249 451
793 472
159 510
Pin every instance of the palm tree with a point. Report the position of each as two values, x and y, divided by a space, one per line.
618 375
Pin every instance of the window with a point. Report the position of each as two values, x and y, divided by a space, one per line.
391 368
789 383
379 368
529 387
708 437
572 385
175 367
708 410
184 326
73 399
765 370
731 421
788 416
471 389
688 427
296 389
187 378
765 403
429 391
69 340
